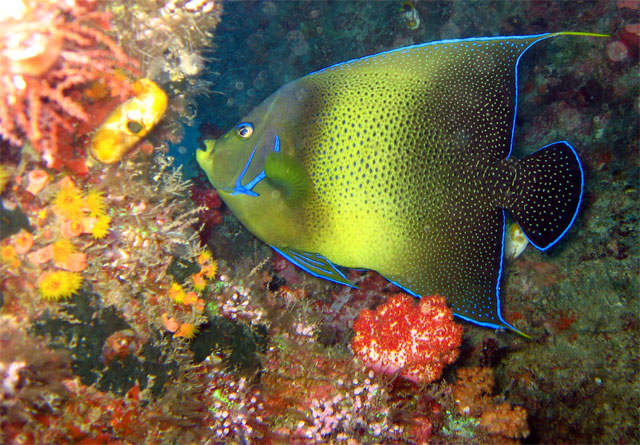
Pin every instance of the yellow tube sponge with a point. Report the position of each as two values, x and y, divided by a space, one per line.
129 123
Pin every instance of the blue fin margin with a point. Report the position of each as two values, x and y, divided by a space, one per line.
316 265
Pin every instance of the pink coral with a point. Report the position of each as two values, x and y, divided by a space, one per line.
415 341
48 49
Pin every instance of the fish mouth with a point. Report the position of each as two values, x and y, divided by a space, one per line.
247 189
205 158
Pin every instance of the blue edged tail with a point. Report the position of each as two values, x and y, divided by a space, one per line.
550 184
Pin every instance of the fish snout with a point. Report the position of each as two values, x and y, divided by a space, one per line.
205 158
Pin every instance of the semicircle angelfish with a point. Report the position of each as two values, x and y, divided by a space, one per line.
401 163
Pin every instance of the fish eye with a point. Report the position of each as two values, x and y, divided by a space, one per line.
244 130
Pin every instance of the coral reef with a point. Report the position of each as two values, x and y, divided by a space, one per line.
167 36
32 378
135 309
48 49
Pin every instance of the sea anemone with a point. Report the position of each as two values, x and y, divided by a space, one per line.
199 282
72 228
204 257
177 292
42 255
95 203
210 269
37 180
187 330
101 227
23 242
77 262
59 285
9 255
68 202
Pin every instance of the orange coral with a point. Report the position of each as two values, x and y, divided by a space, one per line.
505 420
23 241
8 255
42 255
62 250
68 202
37 181
472 390
199 282
101 227
71 229
48 48
472 394
204 257
170 324
177 293
76 262
190 298
59 284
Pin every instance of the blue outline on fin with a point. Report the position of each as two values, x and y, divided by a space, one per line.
515 104
248 189
553 243
438 42
539 37
504 324
324 268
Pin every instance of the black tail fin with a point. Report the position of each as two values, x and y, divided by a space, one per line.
552 182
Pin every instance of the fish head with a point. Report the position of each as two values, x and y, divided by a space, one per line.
256 167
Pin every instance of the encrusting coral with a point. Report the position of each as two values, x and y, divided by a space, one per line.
472 393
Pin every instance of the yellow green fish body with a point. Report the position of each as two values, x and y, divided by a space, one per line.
400 163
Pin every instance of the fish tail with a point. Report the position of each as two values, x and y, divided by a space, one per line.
549 184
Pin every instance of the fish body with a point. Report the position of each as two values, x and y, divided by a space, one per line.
400 163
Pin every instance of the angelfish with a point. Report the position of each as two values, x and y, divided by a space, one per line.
400 163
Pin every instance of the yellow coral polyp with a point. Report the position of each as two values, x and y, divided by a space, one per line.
95 203
62 250
129 123
210 270
199 282
177 293
187 330
101 227
204 257
59 285
69 202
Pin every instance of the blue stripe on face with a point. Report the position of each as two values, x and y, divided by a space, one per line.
240 189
